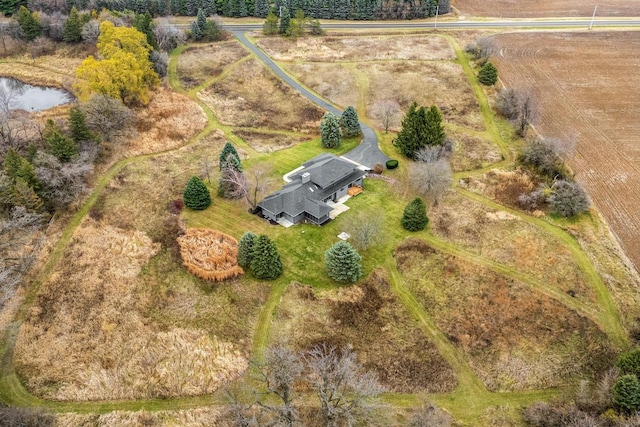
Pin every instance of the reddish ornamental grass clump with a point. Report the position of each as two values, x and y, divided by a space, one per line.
210 254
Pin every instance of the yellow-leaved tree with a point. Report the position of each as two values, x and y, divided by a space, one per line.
123 69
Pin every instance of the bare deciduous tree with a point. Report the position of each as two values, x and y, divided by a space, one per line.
527 111
364 229
429 415
433 153
168 36
280 370
387 112
64 182
14 126
17 233
249 186
431 180
91 32
107 115
344 388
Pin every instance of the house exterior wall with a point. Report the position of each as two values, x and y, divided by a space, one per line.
269 215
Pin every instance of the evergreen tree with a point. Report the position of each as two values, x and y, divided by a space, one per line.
72 32
191 7
12 163
245 249
343 263
61 146
78 126
29 24
330 131
626 393
196 32
435 134
414 217
209 7
270 26
237 8
488 74
349 122
228 149
196 194
265 262
296 26
285 21
22 194
409 140
261 9
144 23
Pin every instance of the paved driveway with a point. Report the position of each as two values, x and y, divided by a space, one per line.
367 153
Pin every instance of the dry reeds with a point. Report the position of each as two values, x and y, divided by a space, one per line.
210 254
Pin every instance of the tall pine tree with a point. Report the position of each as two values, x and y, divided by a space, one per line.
349 122
435 134
261 8
229 149
265 262
196 195
330 131
245 249
285 21
61 146
343 263
72 32
408 139
78 126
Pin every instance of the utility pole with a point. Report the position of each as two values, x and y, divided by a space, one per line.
437 8
594 16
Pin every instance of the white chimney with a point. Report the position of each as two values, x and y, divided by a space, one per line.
306 177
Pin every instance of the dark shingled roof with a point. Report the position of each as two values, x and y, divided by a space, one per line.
327 174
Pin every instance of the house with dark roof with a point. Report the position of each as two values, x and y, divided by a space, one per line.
312 188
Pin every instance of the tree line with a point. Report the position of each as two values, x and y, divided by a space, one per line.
316 9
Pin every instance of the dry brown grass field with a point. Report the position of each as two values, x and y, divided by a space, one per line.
357 49
513 337
505 238
369 317
472 152
251 96
166 123
428 75
588 89
121 318
201 417
198 64
265 142
536 9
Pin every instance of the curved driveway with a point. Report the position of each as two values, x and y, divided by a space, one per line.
367 153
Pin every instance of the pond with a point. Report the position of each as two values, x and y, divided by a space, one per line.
15 95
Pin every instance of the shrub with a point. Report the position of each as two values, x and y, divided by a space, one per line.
415 215
196 194
210 254
343 263
541 157
629 363
265 261
626 393
378 168
392 164
507 103
245 249
488 74
568 198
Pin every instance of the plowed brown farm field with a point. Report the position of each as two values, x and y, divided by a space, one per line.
588 88
541 9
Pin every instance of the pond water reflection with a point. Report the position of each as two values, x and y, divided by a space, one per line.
15 95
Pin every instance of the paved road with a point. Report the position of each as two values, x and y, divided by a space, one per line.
367 153
462 24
